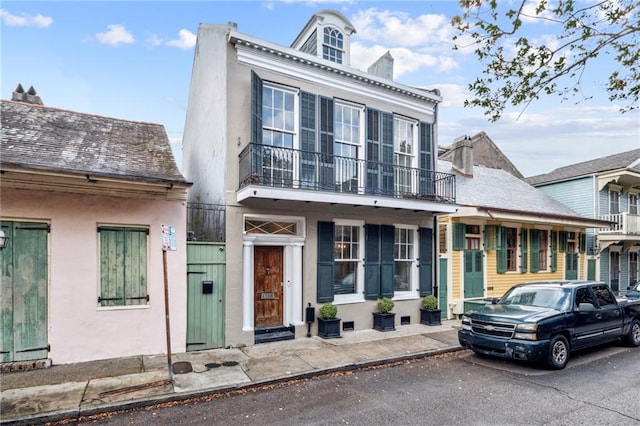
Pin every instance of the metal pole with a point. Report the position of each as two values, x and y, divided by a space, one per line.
166 311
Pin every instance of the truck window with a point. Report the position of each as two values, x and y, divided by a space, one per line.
583 295
604 295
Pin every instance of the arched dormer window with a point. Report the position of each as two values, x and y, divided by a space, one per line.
332 45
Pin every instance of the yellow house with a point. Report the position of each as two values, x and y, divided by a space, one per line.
504 232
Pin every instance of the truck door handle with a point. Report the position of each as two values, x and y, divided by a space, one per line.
599 316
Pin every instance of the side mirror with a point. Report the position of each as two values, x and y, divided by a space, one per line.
495 300
628 287
586 307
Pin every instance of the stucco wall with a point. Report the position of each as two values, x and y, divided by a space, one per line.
78 329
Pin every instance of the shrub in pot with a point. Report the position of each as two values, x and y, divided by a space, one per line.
328 323
384 319
429 312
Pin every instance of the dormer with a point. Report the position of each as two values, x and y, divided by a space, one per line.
326 36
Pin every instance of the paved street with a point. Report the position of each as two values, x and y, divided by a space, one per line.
598 387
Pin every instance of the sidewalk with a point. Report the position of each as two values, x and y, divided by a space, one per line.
82 389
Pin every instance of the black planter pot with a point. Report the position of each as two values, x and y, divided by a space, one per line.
384 322
329 328
430 316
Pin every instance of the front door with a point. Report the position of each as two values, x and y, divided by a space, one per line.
24 276
473 285
571 263
268 285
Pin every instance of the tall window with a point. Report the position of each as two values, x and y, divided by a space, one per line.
633 267
332 45
347 258
544 250
614 202
278 130
404 254
404 154
633 203
511 237
346 146
123 266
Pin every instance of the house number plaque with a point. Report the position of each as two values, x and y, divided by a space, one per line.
264 296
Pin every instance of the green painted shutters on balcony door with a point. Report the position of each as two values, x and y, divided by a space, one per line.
308 135
327 174
24 266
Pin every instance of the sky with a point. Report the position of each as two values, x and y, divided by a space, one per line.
133 59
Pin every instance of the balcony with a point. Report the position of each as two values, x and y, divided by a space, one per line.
281 173
626 226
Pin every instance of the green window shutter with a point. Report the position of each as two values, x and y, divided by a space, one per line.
564 239
524 249
256 108
582 242
425 262
491 237
374 166
554 250
387 261
425 159
327 177
308 131
459 236
123 266
501 250
372 278
386 133
326 260
535 250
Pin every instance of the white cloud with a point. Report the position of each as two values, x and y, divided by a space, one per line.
25 20
116 34
186 40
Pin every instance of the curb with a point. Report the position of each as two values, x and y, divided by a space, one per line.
82 414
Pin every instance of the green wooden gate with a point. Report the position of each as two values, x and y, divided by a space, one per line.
205 295
24 292
591 269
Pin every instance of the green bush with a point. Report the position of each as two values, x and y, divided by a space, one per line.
385 305
328 311
430 302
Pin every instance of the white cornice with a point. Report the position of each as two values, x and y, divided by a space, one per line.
298 65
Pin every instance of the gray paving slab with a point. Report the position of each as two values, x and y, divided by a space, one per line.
23 403
110 390
275 367
214 378
330 357
396 347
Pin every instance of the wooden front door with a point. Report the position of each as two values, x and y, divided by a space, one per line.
268 285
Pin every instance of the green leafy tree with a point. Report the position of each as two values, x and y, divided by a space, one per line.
517 70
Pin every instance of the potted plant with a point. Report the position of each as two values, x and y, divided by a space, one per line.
328 323
429 312
384 319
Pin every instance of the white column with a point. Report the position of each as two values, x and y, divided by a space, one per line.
296 287
247 286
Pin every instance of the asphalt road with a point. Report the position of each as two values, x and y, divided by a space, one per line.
598 387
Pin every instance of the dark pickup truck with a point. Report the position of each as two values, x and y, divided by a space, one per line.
545 321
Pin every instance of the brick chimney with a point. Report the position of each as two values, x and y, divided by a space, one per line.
30 96
463 155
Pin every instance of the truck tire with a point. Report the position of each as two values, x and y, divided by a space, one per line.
633 336
558 355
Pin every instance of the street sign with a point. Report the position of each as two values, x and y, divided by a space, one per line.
168 238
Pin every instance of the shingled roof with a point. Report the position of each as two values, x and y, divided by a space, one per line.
36 137
591 167
495 189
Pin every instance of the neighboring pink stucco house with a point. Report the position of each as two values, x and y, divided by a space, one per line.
83 201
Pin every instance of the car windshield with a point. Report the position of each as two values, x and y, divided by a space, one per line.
552 298
636 286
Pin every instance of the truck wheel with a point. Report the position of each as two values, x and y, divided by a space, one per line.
558 355
633 337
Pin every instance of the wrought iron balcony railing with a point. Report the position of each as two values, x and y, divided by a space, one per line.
273 166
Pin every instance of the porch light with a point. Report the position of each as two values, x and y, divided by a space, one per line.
3 239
